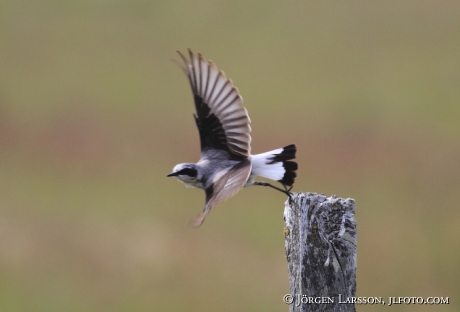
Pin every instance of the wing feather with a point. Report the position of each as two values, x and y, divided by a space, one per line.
224 187
221 119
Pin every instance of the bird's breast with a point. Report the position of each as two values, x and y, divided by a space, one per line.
191 182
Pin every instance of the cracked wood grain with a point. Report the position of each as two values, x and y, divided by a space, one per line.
320 243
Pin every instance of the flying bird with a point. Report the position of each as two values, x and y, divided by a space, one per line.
226 164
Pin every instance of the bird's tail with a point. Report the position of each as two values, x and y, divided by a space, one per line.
276 165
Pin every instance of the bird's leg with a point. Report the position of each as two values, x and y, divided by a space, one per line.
288 192
285 191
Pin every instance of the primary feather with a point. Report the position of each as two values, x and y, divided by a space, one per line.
226 164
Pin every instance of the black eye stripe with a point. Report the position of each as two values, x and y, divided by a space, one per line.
191 172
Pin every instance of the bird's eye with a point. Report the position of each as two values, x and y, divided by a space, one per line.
191 172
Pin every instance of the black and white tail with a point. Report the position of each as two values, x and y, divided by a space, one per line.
276 165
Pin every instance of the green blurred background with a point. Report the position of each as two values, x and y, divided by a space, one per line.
93 115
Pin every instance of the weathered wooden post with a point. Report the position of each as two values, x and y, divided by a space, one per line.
320 242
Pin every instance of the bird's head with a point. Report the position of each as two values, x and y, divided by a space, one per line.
186 173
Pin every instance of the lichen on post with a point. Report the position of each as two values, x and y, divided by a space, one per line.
320 243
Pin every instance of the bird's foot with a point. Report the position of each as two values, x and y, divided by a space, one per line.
286 190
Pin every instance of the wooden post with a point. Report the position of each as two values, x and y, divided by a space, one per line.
320 242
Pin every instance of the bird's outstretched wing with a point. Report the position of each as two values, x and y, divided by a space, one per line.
223 187
222 121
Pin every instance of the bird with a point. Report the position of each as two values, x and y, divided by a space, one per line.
226 164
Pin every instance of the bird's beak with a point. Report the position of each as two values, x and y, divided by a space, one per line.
172 174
